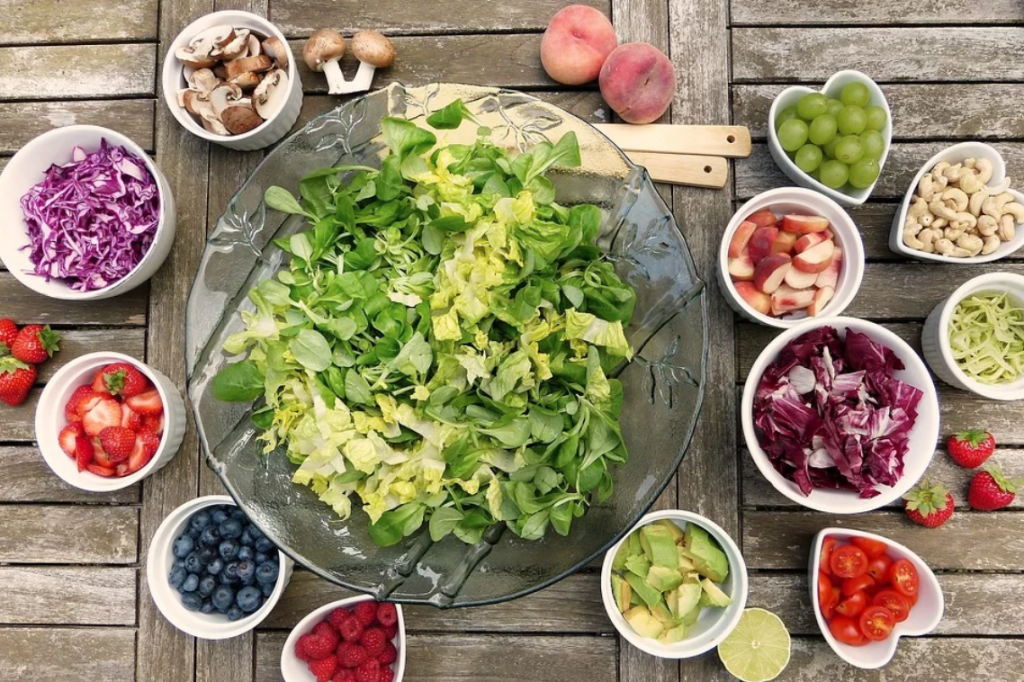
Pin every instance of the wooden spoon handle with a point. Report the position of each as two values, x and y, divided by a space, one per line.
727 141
683 169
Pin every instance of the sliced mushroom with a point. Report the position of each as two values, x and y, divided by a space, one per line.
215 37
224 96
237 48
240 119
271 94
257 64
254 46
190 101
248 81
193 58
276 50
215 127
220 72
203 80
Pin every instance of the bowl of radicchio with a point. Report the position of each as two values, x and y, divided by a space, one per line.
840 415
84 214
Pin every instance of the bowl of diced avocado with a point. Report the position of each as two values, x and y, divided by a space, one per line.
676 585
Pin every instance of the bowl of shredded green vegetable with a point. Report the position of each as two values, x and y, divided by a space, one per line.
974 339
446 345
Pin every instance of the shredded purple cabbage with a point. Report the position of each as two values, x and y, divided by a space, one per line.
92 220
829 414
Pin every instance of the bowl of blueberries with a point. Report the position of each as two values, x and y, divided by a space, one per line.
213 573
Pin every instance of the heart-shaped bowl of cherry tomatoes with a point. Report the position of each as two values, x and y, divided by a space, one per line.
869 591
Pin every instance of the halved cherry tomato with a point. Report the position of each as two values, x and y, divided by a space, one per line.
853 605
848 561
852 586
904 579
846 631
877 622
873 548
824 591
878 568
827 545
895 602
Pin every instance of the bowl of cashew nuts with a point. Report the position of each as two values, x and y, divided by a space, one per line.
960 208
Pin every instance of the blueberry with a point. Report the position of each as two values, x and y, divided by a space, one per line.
238 515
193 564
249 599
207 584
228 549
264 545
194 534
206 554
246 570
178 563
199 521
267 572
215 567
191 583
183 546
223 597
246 539
246 554
218 516
177 576
191 601
232 529
207 607
254 532
261 558
231 570
235 613
267 588
210 537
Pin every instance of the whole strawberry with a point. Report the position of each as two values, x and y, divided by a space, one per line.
971 448
118 442
929 505
8 333
991 489
16 380
35 344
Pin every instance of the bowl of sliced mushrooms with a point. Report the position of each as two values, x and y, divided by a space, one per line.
230 78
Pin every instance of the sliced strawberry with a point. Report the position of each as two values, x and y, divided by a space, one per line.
118 442
152 424
89 401
121 470
99 385
67 437
105 472
106 412
150 442
71 409
147 403
130 419
99 455
120 378
83 452
139 456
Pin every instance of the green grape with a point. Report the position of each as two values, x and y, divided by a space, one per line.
874 144
863 173
822 129
855 94
811 106
851 120
784 115
830 147
875 117
834 107
808 158
850 149
793 134
834 174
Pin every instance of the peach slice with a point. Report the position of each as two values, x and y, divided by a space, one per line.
830 275
756 299
771 271
761 243
763 218
808 240
804 223
798 279
784 242
786 299
740 238
821 298
741 269
816 258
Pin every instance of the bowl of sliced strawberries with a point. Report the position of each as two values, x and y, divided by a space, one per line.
106 421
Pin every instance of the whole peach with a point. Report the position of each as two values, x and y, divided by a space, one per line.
576 43
638 82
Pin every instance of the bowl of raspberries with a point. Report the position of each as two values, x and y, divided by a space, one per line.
352 640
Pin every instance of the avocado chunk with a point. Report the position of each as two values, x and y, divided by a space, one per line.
690 619
659 546
650 595
673 635
663 579
709 559
635 547
685 563
676 531
661 612
686 599
634 598
619 563
638 565
713 595
623 593
643 623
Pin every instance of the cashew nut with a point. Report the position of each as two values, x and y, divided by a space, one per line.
953 233
970 183
928 237
1006 229
984 167
987 225
953 173
970 163
993 206
992 243
927 188
910 233
1016 210
965 221
970 242
957 196
939 223
977 199
938 171
940 209
944 246
960 252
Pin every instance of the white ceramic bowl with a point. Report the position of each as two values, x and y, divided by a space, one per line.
27 168
50 420
168 600
935 336
714 624
798 200
923 618
295 670
850 196
923 435
953 155
174 77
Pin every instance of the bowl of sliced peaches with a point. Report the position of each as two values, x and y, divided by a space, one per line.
790 254
106 421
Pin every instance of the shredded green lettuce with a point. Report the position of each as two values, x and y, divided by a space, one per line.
437 349
986 336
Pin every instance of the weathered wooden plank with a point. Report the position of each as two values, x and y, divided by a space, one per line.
74 343
26 306
302 17
959 12
40 595
24 477
82 21
77 71
64 654
886 54
480 658
919 111
19 422
26 120
35 534
783 539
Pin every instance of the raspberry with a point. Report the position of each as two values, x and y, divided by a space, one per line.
324 668
300 648
389 655
387 614
366 612
324 629
373 640
318 647
368 671
337 617
351 629
386 674
344 675
391 631
351 655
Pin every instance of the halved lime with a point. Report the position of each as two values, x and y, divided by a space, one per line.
758 649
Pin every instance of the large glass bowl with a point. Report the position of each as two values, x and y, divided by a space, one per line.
663 385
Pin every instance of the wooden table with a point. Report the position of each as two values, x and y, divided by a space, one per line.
73 599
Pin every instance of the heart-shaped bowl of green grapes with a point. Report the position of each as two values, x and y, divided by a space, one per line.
834 140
